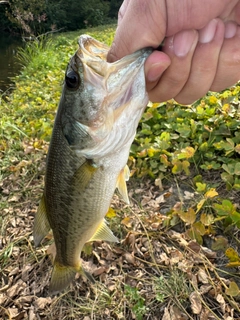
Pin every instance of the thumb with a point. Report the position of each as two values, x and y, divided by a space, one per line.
137 28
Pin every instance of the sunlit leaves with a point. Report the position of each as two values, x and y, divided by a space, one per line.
211 193
228 210
233 256
111 213
207 219
206 133
189 216
186 153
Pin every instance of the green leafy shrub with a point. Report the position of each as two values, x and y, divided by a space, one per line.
171 137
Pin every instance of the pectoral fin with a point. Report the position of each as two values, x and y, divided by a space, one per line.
41 225
84 174
121 183
103 233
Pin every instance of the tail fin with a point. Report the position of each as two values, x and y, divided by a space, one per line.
62 276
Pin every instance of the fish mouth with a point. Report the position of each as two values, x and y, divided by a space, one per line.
92 47
94 55
121 86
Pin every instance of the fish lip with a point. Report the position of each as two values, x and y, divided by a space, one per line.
92 47
94 54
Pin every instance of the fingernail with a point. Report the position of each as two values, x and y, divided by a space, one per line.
182 42
207 33
155 72
230 29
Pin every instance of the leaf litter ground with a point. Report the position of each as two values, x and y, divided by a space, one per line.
155 272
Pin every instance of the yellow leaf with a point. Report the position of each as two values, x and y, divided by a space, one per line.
177 167
201 186
207 219
111 213
155 105
213 100
127 221
211 193
186 153
199 227
185 166
151 152
226 108
237 148
164 160
235 264
233 289
232 255
200 204
189 217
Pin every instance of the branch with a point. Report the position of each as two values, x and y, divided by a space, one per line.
48 32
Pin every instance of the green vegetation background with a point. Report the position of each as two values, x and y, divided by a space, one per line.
199 143
172 140
34 17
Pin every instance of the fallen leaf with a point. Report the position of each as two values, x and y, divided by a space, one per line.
129 258
221 301
232 255
16 289
14 198
194 246
41 303
209 253
196 304
233 289
127 222
111 213
211 193
200 204
189 217
207 219
220 243
202 276
166 315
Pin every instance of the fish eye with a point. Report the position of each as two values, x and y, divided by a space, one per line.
72 80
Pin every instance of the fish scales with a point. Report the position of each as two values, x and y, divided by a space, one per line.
96 121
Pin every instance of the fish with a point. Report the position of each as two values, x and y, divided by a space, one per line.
96 121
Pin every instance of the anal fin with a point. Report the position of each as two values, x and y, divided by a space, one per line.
103 233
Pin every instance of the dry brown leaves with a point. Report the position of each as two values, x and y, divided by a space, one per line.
176 277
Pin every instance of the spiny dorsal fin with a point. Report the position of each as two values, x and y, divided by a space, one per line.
41 225
103 233
121 183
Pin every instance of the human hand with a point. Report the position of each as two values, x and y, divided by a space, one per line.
212 63
195 62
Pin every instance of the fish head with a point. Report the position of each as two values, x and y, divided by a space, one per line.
98 95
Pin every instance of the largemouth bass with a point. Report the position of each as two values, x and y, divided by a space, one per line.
96 121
